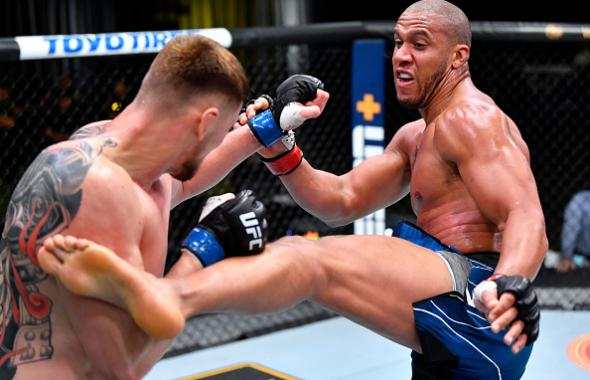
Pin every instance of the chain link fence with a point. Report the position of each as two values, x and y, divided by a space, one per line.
543 87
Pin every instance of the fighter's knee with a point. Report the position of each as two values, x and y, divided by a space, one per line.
303 256
299 247
295 240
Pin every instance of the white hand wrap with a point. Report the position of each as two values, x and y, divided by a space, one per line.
290 117
482 287
213 202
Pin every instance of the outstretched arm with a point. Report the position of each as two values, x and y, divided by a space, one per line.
241 143
238 145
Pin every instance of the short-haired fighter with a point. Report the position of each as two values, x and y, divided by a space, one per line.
115 182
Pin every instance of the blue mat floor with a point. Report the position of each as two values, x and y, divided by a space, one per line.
338 349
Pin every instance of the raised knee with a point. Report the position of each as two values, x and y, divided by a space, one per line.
295 240
304 255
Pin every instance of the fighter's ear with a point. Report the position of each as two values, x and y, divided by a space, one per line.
460 55
205 120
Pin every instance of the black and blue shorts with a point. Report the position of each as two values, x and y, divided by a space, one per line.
456 339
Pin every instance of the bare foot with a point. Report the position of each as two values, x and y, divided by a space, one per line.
91 270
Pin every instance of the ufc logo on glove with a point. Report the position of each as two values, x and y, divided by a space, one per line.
250 221
229 226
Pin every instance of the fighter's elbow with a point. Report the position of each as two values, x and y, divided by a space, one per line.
539 229
345 216
334 223
337 212
352 207
544 243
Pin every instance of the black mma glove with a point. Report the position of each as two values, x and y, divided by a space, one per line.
298 88
235 227
272 125
526 302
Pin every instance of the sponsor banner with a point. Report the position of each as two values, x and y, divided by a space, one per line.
86 45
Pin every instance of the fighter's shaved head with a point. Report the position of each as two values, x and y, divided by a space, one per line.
454 20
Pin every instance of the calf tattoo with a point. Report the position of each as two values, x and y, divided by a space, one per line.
45 201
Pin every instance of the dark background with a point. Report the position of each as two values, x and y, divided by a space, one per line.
31 17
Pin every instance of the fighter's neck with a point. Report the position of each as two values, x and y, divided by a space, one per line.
140 149
447 92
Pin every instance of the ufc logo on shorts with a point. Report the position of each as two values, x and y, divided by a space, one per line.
252 228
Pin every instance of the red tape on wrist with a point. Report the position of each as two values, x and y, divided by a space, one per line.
495 276
284 163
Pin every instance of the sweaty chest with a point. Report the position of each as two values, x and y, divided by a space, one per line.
432 177
154 237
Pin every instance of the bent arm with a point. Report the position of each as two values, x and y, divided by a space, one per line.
238 145
374 184
493 162
338 200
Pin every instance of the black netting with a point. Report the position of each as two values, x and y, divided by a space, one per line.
542 87
44 102
326 144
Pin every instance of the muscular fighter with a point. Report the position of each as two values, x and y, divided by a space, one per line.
115 182
455 289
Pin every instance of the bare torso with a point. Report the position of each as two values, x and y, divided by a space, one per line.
56 341
443 205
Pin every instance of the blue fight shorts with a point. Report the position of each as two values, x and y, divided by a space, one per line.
456 339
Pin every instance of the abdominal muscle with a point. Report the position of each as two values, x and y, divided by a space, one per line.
454 218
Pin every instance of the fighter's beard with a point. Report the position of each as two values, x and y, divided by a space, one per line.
431 86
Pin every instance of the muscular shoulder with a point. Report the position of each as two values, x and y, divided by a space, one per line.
405 138
70 161
472 128
49 194
59 168
110 206
470 119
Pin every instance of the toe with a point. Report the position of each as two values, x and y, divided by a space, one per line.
48 262
70 243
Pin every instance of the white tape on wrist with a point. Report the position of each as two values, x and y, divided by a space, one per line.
483 287
290 117
214 202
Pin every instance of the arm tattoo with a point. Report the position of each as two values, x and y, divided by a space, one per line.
45 201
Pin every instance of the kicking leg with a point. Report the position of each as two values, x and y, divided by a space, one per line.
373 280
